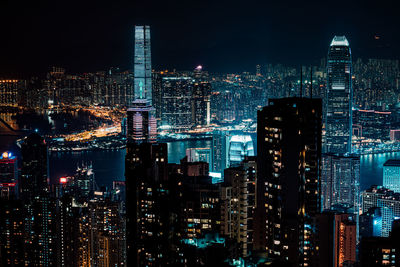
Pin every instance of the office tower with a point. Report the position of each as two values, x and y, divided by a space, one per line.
339 98
142 125
337 239
340 181
391 175
240 146
372 124
142 64
11 213
146 204
176 104
199 154
288 180
239 203
38 211
201 113
388 202
219 151
370 223
8 176
381 251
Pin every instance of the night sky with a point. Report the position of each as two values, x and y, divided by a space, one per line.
223 36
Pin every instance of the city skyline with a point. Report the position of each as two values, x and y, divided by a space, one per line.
190 39
137 165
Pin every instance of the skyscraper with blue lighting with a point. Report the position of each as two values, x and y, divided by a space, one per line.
339 98
142 125
142 63
391 175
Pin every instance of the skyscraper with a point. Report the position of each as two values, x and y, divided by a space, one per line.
8 175
238 204
337 239
39 239
240 146
391 175
176 103
340 182
142 64
146 204
219 151
339 98
142 125
201 103
288 181
388 202
11 216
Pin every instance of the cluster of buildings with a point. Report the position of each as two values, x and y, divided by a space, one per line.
292 198
68 223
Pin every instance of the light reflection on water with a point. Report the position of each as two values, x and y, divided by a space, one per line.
109 165
372 168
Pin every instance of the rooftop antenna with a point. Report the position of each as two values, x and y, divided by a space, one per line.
311 84
301 81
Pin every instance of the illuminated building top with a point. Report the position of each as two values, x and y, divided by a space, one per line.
339 41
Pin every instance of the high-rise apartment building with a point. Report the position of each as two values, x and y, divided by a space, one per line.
388 202
38 212
11 213
288 187
9 92
239 203
219 151
146 203
337 239
201 109
339 98
8 175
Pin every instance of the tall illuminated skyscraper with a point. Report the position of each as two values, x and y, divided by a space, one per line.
142 63
339 98
142 125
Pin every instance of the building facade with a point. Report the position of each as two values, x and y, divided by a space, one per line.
391 175
339 98
142 64
288 187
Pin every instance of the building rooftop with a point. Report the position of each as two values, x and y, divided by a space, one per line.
339 41
392 162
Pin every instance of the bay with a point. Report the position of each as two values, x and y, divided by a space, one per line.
109 165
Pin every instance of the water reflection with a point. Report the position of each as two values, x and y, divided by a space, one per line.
109 165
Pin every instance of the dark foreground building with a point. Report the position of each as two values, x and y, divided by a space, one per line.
288 185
